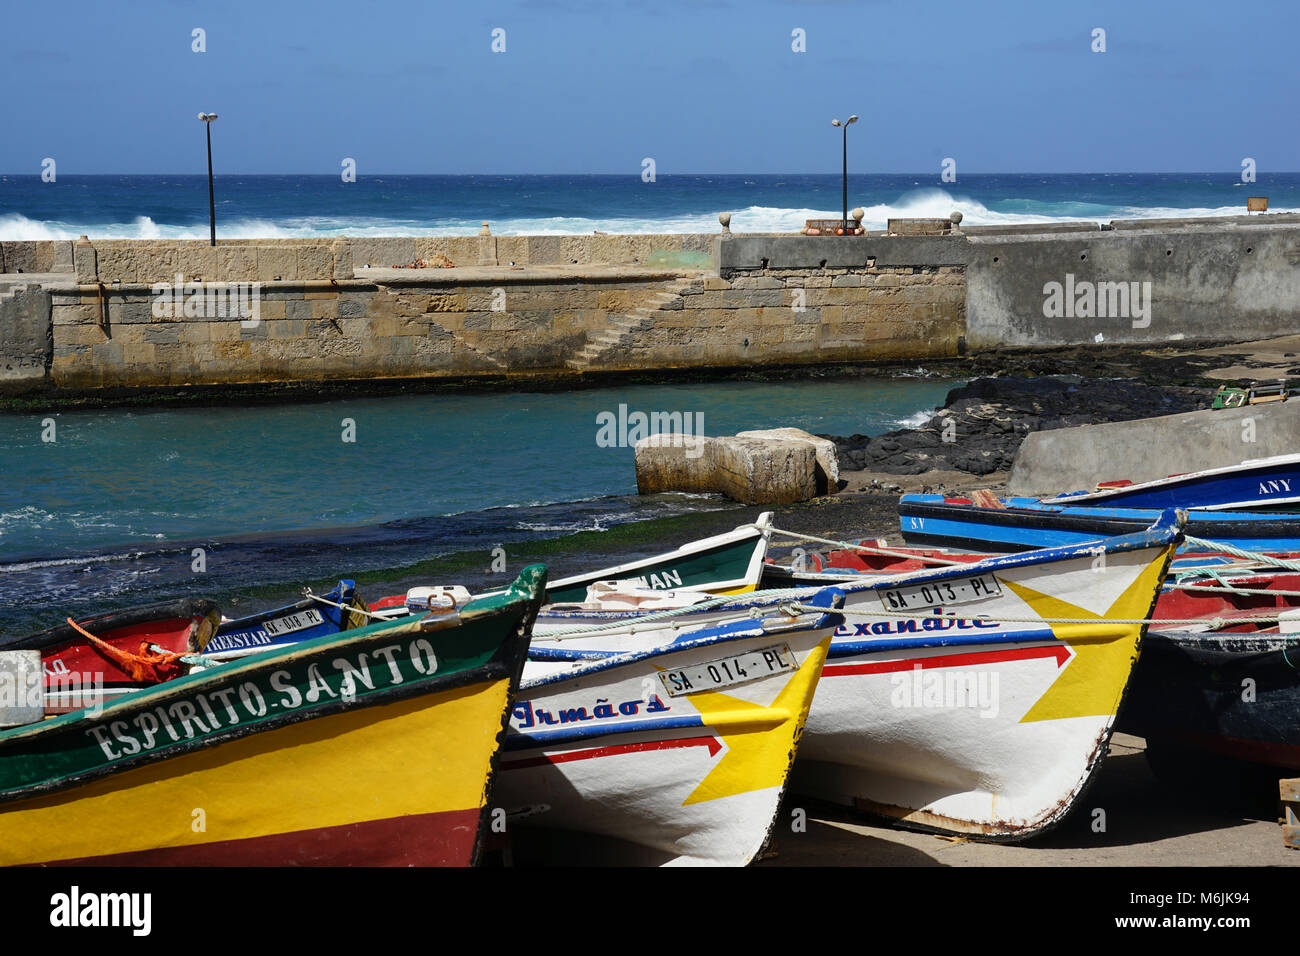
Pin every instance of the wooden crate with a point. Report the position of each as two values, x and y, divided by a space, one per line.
1290 790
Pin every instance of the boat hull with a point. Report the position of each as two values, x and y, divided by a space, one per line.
79 674
992 730
292 624
312 755
1025 525
1268 484
694 779
1233 695
730 563
979 716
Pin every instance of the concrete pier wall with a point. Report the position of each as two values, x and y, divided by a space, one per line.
1233 283
26 338
159 260
559 306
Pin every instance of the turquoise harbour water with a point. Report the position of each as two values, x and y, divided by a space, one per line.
110 512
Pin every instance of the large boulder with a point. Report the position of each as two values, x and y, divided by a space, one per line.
674 463
828 462
754 471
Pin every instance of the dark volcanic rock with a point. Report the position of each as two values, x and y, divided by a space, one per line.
981 425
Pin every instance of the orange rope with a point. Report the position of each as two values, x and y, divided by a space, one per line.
145 667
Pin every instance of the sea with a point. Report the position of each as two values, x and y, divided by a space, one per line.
176 207
105 508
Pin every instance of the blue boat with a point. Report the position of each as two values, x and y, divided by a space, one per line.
314 616
1023 524
1259 485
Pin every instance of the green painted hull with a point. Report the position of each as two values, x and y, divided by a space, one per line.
371 665
725 566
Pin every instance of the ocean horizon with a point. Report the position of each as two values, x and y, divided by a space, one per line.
175 206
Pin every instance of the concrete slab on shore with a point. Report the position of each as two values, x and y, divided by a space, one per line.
1269 358
1071 459
1146 825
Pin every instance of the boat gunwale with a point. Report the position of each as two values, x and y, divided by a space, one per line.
708 634
506 663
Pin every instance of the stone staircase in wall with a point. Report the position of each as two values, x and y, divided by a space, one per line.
10 288
622 328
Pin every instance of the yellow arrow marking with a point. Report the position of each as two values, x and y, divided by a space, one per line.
1093 680
758 749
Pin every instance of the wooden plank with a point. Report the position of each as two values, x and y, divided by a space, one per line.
1290 789
1291 837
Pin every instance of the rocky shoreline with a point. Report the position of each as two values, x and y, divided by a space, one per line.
972 439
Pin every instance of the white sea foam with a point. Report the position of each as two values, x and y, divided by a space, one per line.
70 562
914 421
924 202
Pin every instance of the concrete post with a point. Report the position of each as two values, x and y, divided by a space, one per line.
342 249
487 248
63 260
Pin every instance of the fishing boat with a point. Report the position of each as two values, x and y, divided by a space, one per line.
730 563
1227 694
974 699
877 556
670 755
1020 524
374 746
1226 685
98 659
314 616
1258 485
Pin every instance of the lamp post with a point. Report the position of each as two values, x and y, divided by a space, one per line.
845 125
212 202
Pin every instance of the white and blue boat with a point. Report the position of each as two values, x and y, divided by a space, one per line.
1257 485
1023 524
672 754
339 609
975 699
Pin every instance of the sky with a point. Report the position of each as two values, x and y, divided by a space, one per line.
700 86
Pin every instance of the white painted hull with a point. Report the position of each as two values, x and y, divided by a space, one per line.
990 737
984 727
692 779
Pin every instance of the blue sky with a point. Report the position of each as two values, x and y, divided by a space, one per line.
594 86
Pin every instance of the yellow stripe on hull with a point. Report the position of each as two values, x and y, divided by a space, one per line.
426 754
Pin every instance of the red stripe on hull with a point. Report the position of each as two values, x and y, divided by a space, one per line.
712 743
1275 754
424 839
1058 651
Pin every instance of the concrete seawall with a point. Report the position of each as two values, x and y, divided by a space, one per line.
79 317
1072 459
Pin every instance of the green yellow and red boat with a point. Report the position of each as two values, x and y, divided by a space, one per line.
374 746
